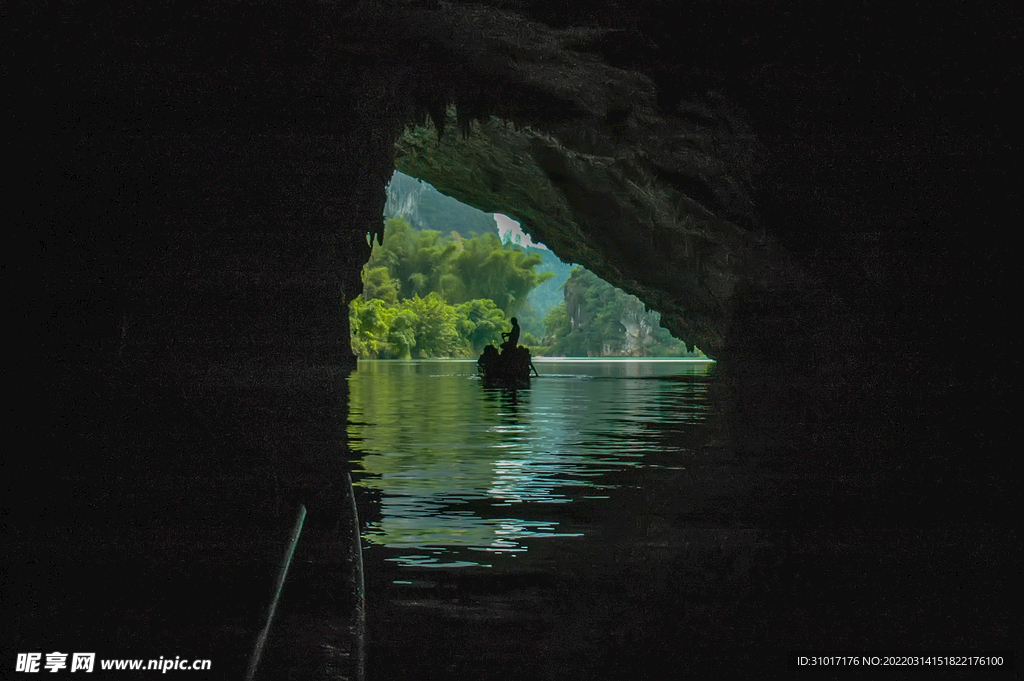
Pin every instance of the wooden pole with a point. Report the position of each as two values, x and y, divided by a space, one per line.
282 573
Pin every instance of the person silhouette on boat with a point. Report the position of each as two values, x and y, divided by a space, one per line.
512 337
512 362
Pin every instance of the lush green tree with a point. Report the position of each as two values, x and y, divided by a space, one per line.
416 260
378 285
458 269
436 328
415 327
373 335
402 334
485 268
481 322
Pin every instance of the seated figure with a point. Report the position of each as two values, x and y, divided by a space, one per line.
512 337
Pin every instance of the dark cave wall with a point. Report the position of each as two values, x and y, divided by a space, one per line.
194 204
197 188
189 210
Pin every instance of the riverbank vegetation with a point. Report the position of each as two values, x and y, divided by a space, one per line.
427 294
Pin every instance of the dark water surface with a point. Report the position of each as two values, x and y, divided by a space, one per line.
530 534
458 475
601 524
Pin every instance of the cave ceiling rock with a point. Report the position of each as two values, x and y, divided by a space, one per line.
658 203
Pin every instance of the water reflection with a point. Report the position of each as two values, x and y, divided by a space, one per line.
462 472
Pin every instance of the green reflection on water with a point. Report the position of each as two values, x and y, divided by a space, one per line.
450 459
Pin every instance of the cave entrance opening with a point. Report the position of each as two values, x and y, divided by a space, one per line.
446 279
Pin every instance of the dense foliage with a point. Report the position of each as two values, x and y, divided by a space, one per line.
425 208
426 295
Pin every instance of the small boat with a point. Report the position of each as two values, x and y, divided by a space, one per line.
509 368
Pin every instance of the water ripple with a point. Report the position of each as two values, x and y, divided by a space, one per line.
440 460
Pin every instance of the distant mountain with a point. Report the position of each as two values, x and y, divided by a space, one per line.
403 199
426 208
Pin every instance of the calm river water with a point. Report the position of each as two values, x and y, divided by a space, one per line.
537 533
453 474
598 525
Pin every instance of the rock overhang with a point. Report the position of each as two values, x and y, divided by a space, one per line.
539 126
632 135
